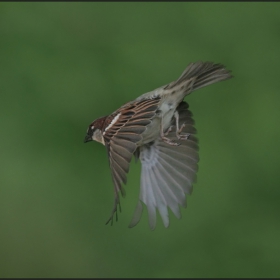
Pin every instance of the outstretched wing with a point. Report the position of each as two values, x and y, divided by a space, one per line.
121 135
168 172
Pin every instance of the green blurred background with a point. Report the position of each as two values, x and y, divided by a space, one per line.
65 64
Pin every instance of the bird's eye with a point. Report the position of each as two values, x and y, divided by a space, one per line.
90 130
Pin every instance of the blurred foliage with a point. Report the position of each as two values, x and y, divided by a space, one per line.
65 64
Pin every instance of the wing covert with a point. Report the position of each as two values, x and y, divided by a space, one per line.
121 135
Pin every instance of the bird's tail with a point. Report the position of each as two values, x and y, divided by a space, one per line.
198 75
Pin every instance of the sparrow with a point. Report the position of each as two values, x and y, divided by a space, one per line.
157 128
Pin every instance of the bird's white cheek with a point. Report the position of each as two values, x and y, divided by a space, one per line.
101 140
97 136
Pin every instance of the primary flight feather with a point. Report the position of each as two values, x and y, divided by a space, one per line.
157 128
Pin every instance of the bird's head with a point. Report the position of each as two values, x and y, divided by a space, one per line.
94 131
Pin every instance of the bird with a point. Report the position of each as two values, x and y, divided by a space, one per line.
157 128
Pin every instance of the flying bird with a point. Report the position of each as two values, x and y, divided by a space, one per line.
157 128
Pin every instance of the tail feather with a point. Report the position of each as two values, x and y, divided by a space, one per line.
201 74
197 75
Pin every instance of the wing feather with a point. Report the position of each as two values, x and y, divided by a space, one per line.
168 172
121 135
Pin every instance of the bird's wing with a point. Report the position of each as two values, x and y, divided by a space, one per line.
168 172
121 136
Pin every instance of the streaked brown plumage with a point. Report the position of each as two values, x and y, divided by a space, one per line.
158 128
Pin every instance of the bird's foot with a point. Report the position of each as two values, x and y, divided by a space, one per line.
168 130
169 141
165 139
183 136
180 135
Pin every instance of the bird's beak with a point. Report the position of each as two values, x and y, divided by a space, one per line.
87 139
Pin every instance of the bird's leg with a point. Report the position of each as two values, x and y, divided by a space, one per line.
168 130
179 134
163 135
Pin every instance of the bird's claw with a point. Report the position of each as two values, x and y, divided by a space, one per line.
183 136
169 141
180 135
